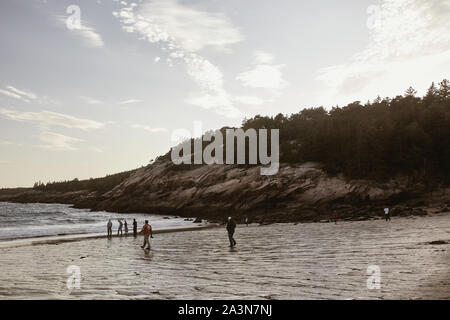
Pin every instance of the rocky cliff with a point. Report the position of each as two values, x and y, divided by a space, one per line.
302 192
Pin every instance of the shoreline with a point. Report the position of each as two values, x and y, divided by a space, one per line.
304 261
42 240
347 212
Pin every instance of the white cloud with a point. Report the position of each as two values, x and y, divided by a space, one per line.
48 118
148 128
184 31
9 143
263 76
262 57
191 29
56 141
410 45
22 93
89 35
15 93
90 100
11 94
130 101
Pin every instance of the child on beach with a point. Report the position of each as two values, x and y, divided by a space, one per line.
126 227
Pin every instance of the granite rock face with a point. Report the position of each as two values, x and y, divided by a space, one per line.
297 193
302 192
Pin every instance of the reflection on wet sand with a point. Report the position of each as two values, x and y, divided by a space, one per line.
281 261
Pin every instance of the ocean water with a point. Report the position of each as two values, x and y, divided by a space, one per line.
19 220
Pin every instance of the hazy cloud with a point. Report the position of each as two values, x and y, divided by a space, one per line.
191 29
183 31
48 118
148 128
90 100
56 141
15 93
130 101
264 74
409 42
88 35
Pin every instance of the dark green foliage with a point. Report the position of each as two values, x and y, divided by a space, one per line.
405 135
100 185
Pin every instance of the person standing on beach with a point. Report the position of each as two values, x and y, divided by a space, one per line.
148 233
335 217
134 228
387 216
120 227
246 221
126 227
109 228
231 226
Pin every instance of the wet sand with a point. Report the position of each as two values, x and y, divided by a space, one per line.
87 236
280 261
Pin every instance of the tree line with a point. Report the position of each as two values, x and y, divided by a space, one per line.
378 140
100 185
403 135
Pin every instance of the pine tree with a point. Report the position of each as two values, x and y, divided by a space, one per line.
410 92
444 89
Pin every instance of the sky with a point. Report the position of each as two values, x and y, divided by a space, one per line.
90 88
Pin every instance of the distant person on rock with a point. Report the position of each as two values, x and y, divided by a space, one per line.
335 217
119 230
246 221
109 228
134 228
387 216
231 226
126 227
148 233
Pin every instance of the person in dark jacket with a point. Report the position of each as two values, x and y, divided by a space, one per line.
134 227
231 226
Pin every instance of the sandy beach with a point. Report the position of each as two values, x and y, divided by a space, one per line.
280 261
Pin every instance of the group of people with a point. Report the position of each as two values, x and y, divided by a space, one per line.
122 225
146 230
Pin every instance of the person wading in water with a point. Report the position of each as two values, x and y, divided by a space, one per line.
148 233
109 228
119 230
126 227
231 226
